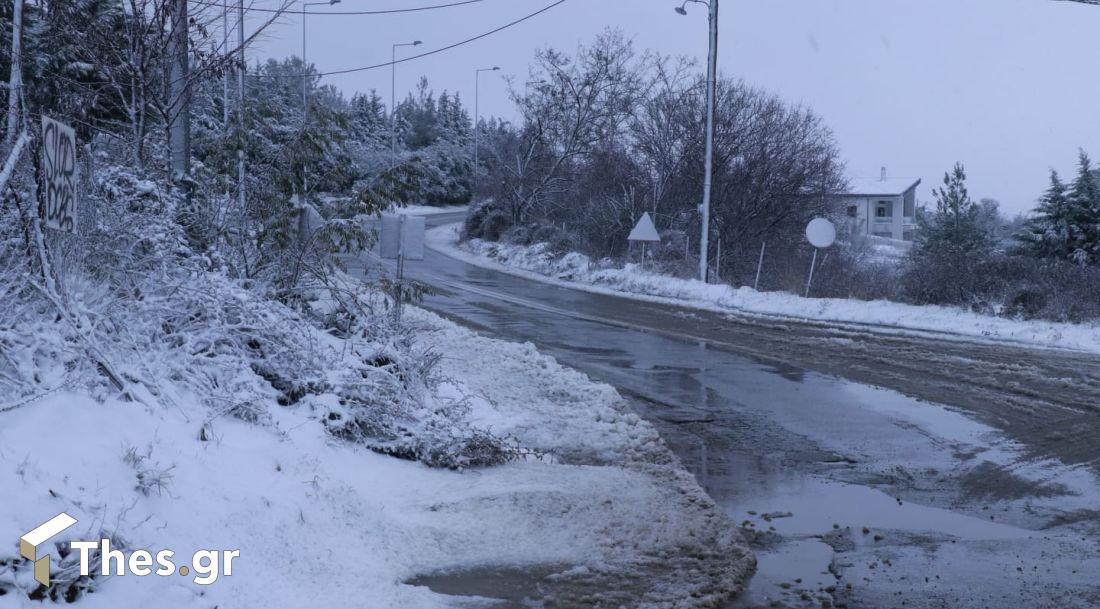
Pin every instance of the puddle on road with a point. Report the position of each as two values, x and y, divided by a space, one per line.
799 565
831 502
816 505
491 587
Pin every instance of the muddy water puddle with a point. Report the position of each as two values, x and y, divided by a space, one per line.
890 502
491 587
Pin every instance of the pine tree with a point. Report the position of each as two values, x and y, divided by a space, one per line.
1083 211
1049 234
955 228
952 241
369 123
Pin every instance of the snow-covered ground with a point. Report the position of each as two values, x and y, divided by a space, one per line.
322 522
577 271
428 210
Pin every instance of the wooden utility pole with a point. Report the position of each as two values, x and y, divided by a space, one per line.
15 82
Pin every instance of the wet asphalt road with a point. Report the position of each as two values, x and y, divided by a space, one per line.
868 470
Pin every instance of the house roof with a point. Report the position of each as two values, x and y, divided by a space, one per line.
871 187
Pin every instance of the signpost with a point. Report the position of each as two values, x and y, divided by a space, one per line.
59 175
821 234
645 232
402 239
759 265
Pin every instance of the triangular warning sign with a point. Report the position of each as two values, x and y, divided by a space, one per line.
644 230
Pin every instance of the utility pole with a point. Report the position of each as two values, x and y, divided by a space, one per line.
15 82
477 113
179 87
708 169
240 108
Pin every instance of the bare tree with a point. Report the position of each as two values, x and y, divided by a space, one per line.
568 105
606 136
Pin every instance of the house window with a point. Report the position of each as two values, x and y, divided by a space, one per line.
908 235
852 211
886 234
884 209
908 211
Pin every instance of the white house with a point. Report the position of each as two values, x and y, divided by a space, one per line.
882 207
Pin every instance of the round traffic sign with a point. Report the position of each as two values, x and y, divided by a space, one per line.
820 232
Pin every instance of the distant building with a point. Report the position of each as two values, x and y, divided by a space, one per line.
883 207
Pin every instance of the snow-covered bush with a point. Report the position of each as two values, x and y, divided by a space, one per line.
387 404
151 476
130 306
66 583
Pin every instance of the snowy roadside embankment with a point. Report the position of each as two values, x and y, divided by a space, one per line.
320 521
429 210
576 271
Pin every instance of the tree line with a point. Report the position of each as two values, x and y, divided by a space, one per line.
110 69
608 133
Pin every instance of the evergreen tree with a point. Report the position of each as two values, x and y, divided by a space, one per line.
1049 234
369 123
420 115
1083 211
954 229
952 242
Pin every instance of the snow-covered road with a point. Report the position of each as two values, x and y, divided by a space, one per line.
899 457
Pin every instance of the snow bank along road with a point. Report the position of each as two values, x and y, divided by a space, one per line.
870 469
577 271
605 507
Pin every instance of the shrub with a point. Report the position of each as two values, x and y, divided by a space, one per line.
1010 286
519 234
494 225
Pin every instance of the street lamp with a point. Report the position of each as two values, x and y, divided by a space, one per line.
305 77
305 82
477 115
712 80
393 94
225 77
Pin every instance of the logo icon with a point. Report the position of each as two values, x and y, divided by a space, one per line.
32 546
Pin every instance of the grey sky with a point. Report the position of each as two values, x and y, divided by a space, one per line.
1008 87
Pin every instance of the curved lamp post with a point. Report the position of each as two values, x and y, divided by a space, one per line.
477 115
708 170
393 94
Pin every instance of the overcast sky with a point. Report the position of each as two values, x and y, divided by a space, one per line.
1008 87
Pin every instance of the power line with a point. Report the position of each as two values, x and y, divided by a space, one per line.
414 57
376 12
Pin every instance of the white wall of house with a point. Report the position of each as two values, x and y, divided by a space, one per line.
886 216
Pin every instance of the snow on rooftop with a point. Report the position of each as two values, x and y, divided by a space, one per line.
880 186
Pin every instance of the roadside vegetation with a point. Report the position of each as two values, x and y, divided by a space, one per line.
177 282
608 132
